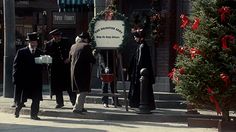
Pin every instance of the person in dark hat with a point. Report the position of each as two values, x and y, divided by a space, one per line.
141 59
58 48
27 76
81 58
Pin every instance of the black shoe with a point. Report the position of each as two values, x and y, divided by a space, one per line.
17 112
59 106
35 118
78 111
84 110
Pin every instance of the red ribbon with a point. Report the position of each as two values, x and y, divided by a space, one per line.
224 40
185 21
213 100
194 52
225 78
196 23
223 11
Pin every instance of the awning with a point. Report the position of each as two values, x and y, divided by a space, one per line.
75 2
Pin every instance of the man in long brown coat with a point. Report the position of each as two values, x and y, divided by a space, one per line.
81 66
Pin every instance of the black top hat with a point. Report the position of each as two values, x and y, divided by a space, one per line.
55 32
84 35
32 36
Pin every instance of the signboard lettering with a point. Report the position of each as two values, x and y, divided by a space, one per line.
64 18
109 34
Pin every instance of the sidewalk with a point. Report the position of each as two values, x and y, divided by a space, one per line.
97 111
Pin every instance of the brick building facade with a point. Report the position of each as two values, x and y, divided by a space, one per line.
33 15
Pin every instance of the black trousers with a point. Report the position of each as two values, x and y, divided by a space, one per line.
60 100
105 90
34 107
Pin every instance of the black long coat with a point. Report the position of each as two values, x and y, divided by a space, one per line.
27 75
81 67
141 59
60 71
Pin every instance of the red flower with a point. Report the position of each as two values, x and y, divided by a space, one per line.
196 23
185 21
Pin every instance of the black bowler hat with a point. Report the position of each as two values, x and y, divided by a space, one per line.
84 35
55 32
32 36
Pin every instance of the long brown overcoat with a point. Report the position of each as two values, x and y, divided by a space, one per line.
81 66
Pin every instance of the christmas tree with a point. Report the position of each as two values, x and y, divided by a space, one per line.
205 68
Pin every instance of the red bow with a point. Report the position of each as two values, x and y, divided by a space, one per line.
185 21
171 74
224 40
178 48
196 23
213 100
108 15
194 52
224 10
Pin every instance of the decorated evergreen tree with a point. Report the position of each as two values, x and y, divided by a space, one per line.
205 68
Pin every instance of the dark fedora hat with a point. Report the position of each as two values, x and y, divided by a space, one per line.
32 36
84 35
55 32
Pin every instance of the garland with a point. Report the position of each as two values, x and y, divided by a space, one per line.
110 14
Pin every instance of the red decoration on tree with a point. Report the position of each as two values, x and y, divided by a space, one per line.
185 21
196 23
171 74
225 78
225 39
213 100
223 11
194 52
181 70
178 48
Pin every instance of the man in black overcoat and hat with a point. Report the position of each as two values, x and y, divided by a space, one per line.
141 59
27 76
58 48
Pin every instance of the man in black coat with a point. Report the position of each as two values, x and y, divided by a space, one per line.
27 76
58 48
141 59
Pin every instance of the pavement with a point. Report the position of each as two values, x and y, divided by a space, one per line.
98 112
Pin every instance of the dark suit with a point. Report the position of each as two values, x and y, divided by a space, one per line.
60 71
27 77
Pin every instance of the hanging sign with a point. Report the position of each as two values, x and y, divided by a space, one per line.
109 34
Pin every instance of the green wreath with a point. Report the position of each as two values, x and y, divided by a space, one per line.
116 16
